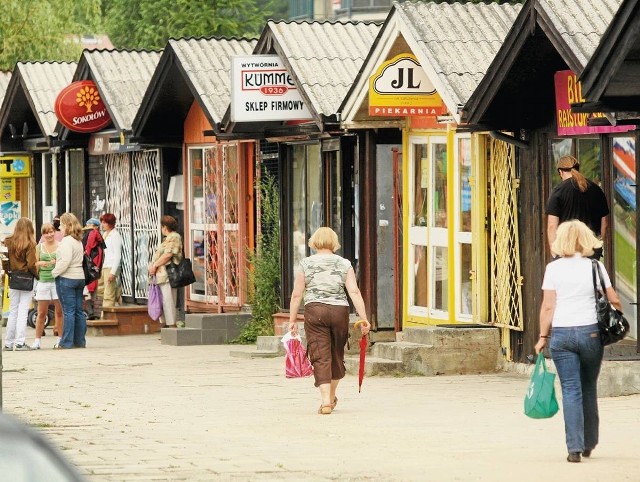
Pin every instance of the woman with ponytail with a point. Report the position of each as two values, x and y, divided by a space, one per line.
576 197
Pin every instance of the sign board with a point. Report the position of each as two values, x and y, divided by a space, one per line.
10 212
109 143
263 90
15 166
400 88
79 107
7 189
569 91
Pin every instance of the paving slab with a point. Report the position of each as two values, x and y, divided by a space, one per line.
130 408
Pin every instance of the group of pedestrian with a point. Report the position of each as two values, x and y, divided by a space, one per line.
577 213
576 218
56 266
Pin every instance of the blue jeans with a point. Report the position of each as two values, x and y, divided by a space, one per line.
577 355
75 322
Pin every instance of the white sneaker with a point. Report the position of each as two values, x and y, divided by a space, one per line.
35 345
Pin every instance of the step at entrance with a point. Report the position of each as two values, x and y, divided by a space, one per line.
206 329
435 350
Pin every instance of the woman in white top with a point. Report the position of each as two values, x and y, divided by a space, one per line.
112 260
69 277
568 319
322 279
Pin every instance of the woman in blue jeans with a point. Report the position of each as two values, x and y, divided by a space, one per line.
69 277
568 320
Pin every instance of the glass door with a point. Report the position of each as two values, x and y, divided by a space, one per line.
428 228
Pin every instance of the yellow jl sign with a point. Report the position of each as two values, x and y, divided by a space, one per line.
400 88
15 166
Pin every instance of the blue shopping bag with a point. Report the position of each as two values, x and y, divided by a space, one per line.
540 400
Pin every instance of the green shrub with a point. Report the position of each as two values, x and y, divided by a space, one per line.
264 270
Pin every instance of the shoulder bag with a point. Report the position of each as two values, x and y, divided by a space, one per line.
611 322
180 274
20 280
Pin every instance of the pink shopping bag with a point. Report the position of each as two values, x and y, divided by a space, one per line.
296 362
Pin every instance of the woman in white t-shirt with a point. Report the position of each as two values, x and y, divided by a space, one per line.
322 280
568 306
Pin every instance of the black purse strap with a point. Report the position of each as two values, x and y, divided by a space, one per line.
596 267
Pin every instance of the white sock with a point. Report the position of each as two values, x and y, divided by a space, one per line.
36 342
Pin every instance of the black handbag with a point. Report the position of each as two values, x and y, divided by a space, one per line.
21 280
611 322
180 274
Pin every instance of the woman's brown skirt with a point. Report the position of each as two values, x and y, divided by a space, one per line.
326 328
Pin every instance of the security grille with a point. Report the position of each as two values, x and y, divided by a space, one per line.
133 196
146 215
505 279
117 169
221 217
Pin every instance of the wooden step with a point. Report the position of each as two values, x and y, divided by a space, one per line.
123 320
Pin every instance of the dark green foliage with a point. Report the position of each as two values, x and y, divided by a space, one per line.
148 24
264 274
277 9
35 30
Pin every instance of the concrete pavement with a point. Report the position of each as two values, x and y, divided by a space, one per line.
131 409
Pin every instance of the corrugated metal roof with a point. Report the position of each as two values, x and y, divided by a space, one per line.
324 57
122 76
43 82
207 63
5 77
580 23
460 40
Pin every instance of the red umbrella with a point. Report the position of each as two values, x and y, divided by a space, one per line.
364 343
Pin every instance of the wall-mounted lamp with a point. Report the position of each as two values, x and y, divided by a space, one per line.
14 134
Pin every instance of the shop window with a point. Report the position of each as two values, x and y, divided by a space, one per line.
586 149
314 197
306 207
623 218
463 257
213 218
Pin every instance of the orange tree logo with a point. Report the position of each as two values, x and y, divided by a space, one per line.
88 97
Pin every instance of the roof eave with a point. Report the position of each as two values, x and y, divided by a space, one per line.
477 105
610 54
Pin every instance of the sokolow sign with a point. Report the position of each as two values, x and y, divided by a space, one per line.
263 90
80 108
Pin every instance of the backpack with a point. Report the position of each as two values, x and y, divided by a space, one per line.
92 261
91 270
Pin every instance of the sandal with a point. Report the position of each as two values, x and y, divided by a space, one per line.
335 402
325 409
